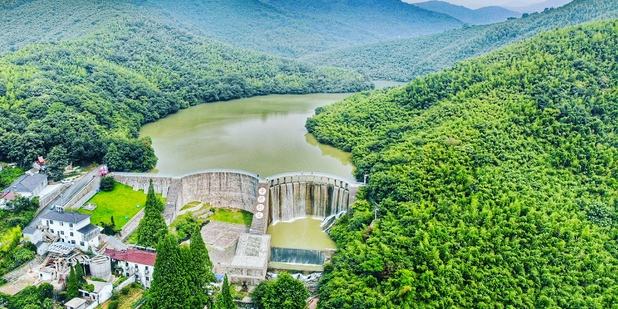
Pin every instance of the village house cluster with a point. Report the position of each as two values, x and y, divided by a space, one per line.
68 237
64 238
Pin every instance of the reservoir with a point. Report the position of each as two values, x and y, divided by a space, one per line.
264 135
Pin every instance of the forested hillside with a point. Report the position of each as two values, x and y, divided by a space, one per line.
284 28
296 28
480 16
79 99
494 182
406 59
46 21
539 7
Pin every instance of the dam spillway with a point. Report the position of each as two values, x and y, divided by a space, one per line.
299 196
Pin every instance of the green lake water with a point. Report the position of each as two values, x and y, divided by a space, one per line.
263 135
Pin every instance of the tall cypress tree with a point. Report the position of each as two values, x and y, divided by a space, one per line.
72 285
169 288
81 278
152 227
200 271
224 299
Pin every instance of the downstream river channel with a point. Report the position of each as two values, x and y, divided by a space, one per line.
264 135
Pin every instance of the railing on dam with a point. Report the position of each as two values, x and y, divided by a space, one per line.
209 171
309 177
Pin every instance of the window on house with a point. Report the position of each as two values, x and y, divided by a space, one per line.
146 267
61 223
52 231
147 279
70 224
81 243
61 232
71 233
51 221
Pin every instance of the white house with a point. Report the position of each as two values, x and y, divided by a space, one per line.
72 228
134 262
101 293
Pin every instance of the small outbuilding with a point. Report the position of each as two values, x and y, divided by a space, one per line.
75 303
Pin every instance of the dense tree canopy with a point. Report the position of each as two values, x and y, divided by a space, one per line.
283 293
406 59
13 253
495 182
32 297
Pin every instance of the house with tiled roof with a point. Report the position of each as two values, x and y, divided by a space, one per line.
28 185
135 263
5 198
71 228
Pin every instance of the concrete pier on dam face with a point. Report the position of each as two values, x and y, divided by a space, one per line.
282 197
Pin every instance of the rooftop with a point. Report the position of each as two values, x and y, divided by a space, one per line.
61 248
75 302
27 183
88 228
8 195
133 255
98 286
65 216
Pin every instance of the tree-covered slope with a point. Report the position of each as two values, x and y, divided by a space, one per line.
494 182
480 16
406 59
296 28
84 95
48 21
539 7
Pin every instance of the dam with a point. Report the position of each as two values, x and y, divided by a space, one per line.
278 198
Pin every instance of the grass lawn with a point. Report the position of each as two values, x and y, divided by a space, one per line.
232 216
191 205
126 301
132 239
121 203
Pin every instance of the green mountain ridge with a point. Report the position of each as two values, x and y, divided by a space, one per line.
280 28
406 59
494 182
87 94
480 16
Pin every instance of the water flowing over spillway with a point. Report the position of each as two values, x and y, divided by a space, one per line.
294 200
297 256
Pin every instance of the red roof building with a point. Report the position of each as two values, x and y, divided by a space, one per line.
133 255
134 263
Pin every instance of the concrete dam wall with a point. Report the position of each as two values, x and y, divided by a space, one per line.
290 196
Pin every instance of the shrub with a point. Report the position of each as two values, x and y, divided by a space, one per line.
113 304
107 183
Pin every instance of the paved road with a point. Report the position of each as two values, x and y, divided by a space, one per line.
63 198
